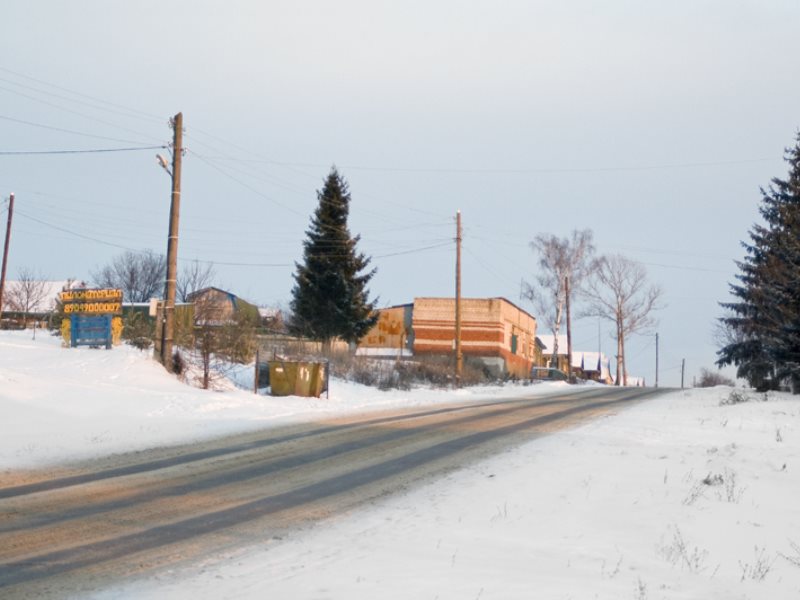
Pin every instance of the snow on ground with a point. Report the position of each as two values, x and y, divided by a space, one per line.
681 497
61 404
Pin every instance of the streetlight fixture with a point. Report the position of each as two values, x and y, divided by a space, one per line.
164 163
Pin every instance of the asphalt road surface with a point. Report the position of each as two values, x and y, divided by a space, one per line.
70 530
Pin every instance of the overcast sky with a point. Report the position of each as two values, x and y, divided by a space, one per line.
652 123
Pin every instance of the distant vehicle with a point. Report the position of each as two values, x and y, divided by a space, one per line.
548 374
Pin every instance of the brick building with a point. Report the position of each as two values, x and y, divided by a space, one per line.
493 330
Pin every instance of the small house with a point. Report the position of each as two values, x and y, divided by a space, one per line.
214 306
560 360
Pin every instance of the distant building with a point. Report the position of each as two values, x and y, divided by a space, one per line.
215 306
493 330
392 336
593 366
548 344
271 320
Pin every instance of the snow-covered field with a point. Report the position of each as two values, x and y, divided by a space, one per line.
679 497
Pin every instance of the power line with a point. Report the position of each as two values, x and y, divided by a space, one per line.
70 131
522 171
75 233
71 208
137 113
486 268
74 112
441 245
91 151
388 218
684 268
223 263
246 185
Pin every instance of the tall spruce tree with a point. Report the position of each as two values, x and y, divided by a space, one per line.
330 297
765 319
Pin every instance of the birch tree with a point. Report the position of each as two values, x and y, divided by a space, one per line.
618 291
559 259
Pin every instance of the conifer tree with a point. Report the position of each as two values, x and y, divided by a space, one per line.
330 297
765 318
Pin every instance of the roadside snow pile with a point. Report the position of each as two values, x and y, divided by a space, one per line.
59 404
682 497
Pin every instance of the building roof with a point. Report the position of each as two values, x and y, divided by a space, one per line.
406 305
548 341
204 290
592 362
506 300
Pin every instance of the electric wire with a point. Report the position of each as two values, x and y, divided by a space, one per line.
75 112
637 249
67 208
90 151
379 215
74 233
141 114
223 263
70 131
485 267
523 171
246 185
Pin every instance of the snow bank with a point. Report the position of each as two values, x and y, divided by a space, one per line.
59 404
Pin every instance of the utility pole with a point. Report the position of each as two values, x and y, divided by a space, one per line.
599 342
459 356
656 360
569 330
683 368
168 331
5 251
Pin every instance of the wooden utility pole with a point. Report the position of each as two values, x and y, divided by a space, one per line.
683 368
656 360
569 330
168 331
5 251
459 356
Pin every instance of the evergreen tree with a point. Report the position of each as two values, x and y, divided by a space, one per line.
764 321
330 297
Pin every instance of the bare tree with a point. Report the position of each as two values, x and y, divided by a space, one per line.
710 378
559 259
140 275
27 294
194 276
618 291
723 334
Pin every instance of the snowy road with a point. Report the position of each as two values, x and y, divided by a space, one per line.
65 532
